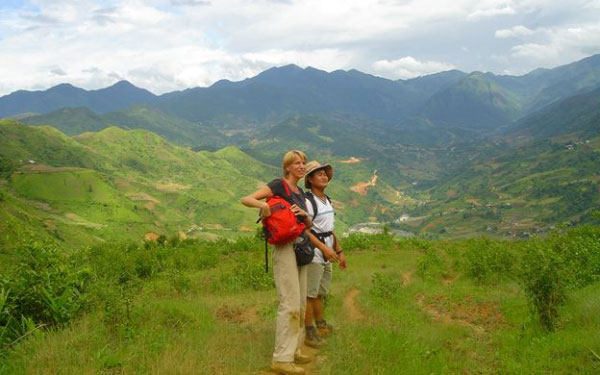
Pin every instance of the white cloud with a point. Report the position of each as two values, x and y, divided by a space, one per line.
514 32
165 45
535 51
409 67
58 71
489 9
562 45
189 2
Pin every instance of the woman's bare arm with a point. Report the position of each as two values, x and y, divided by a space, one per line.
256 200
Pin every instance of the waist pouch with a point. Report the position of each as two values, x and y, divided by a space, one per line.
303 250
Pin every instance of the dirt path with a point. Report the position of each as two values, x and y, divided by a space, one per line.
354 314
309 368
351 306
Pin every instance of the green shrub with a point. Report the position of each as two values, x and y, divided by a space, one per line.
385 285
551 267
179 281
542 277
246 274
45 287
580 251
362 241
487 260
430 264
357 241
7 166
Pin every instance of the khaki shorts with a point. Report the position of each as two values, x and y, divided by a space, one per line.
318 279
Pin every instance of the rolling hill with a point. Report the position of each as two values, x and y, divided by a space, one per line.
120 184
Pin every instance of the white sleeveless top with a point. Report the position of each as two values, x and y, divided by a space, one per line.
323 222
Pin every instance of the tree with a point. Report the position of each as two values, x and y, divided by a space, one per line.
7 166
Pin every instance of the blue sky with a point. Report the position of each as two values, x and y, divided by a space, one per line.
166 45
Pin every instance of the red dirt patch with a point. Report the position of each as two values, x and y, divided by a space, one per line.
451 194
361 187
50 224
237 314
448 280
431 225
352 160
151 236
354 202
480 317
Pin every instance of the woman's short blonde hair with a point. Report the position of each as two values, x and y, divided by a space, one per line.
290 157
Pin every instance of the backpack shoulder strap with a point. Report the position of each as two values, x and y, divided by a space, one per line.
311 199
287 190
331 203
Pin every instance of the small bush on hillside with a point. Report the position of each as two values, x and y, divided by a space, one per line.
179 281
431 264
542 277
488 261
7 166
246 274
385 285
116 304
357 241
362 241
562 262
45 287
580 250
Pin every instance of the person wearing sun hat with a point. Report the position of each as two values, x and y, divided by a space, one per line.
327 250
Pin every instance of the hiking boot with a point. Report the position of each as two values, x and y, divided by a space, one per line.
324 327
286 368
301 359
312 338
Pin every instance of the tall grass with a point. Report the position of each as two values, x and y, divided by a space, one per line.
192 306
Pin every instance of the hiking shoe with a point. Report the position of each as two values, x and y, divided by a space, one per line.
301 359
312 338
286 368
324 327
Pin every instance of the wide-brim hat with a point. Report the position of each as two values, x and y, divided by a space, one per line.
314 166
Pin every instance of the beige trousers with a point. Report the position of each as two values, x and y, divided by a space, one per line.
290 281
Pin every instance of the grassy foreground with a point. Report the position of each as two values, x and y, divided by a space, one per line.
402 307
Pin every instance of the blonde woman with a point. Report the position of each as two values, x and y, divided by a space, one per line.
290 279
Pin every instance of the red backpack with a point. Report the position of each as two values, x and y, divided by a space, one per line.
282 226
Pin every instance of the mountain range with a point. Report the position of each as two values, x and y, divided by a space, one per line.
477 101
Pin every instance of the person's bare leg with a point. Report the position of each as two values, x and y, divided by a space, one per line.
317 308
309 316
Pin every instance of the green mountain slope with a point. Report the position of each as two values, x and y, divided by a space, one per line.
119 184
565 81
75 121
474 102
44 144
576 116
70 121
516 189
